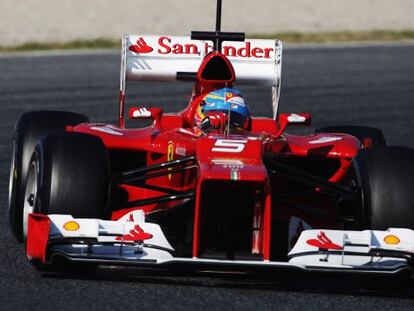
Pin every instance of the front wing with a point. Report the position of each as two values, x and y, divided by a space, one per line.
132 241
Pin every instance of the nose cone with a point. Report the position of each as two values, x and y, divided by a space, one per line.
231 158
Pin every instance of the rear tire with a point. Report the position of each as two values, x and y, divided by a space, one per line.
29 129
386 177
368 136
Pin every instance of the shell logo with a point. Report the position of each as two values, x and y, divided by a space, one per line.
392 240
71 226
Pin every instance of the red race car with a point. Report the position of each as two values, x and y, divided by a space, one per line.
210 185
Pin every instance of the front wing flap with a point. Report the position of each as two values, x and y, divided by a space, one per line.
131 240
368 250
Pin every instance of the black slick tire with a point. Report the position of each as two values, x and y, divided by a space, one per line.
69 173
29 129
73 175
386 177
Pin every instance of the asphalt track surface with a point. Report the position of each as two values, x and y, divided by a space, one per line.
370 85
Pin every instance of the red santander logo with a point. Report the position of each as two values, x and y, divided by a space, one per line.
166 46
141 47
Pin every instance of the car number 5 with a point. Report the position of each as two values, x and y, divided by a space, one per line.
229 145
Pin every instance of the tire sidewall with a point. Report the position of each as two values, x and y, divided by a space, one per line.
58 155
28 130
386 176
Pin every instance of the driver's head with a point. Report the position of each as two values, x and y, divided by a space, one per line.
227 100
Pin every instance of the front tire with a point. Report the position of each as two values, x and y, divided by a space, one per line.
69 173
29 129
72 176
386 177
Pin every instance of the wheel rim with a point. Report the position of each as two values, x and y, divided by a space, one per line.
30 195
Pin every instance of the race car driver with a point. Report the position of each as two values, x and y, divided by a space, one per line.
220 107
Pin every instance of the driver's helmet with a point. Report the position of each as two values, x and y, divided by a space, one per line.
225 100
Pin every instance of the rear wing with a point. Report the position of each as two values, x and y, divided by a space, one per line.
159 58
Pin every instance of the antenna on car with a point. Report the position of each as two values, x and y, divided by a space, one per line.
218 20
217 36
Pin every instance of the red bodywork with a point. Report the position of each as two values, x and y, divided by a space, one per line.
226 163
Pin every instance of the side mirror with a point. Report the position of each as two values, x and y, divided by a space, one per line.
285 119
155 114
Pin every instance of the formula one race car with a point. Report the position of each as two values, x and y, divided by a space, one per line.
210 185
